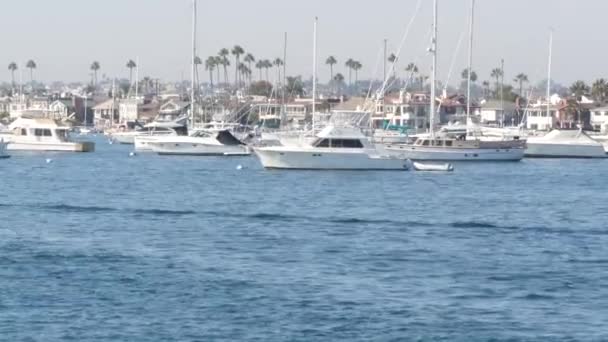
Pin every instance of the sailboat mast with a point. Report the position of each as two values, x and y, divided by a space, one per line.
549 74
314 74
470 68
433 51
193 71
284 75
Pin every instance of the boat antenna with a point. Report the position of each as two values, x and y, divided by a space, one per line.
433 51
470 67
314 74
549 73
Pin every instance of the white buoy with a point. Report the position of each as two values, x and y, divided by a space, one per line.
239 167
132 154
111 142
49 160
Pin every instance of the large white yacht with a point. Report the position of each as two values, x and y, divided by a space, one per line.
565 144
334 149
200 143
43 135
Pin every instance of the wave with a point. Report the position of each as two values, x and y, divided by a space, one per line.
473 224
164 212
77 208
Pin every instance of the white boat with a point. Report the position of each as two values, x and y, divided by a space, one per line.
432 167
43 135
3 154
153 129
200 143
334 149
565 144
450 149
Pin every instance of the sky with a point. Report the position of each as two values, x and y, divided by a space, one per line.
65 36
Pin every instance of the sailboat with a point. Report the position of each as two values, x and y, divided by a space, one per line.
449 147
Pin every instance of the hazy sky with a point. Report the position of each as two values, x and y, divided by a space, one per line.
65 36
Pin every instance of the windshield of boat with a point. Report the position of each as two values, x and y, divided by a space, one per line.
338 143
62 134
201 134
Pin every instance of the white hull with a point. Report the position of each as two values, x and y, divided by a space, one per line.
123 139
329 159
424 153
552 150
52 147
198 149
141 143
3 154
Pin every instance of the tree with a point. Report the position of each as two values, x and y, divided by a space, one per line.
465 75
249 59
131 65
392 58
12 67
237 51
294 86
579 88
331 61
497 74
521 78
95 66
349 64
278 63
260 88
217 61
223 54
267 66
210 66
599 90
260 65
356 67
339 80
31 65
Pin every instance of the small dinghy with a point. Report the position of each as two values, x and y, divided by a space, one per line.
431 167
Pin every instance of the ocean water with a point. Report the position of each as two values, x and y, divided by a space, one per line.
108 247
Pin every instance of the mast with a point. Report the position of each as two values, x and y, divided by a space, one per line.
470 68
284 73
433 51
502 92
193 71
314 74
549 73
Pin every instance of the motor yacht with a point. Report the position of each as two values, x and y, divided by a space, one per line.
200 143
561 143
43 135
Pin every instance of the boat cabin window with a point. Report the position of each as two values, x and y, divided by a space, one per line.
448 143
62 134
340 143
40 132
23 131
425 143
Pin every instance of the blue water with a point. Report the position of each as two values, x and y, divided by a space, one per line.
107 247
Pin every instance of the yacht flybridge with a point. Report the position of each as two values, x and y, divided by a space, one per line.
43 135
334 149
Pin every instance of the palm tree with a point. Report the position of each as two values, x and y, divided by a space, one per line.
12 67
497 74
278 63
331 61
267 65
579 88
521 78
356 67
349 64
339 80
465 75
95 66
131 65
223 54
197 61
31 65
260 65
237 51
210 66
392 58
599 90
249 59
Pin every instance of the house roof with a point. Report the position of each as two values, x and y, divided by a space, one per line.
351 104
497 104
107 104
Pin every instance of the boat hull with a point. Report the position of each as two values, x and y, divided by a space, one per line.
546 150
419 153
198 149
327 160
52 147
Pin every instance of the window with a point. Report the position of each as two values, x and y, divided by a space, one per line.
352 143
425 143
323 143
23 131
448 143
42 132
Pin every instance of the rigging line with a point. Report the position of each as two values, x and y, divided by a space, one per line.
454 57
405 35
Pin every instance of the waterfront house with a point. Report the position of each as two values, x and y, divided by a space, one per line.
599 118
105 112
496 111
